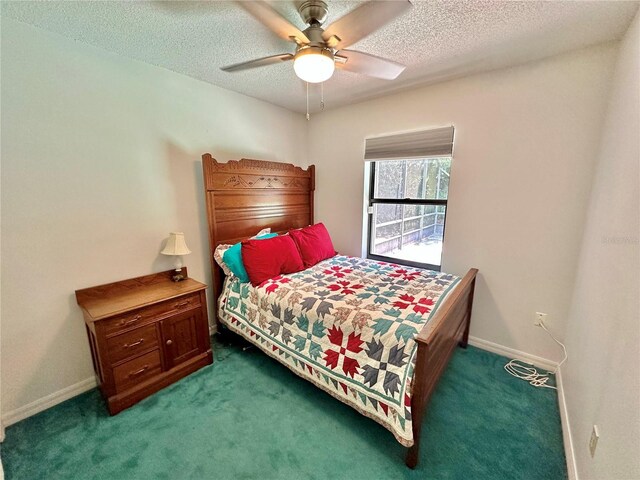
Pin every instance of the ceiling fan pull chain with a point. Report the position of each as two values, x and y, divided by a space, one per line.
322 95
307 100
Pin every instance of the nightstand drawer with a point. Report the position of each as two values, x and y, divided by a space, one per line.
128 344
139 317
135 371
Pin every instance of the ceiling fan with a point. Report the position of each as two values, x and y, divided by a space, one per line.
320 50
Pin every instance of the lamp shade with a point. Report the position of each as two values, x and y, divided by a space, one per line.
176 245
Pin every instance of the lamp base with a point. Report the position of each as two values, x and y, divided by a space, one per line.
179 274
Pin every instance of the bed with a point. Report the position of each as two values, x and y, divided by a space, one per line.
374 335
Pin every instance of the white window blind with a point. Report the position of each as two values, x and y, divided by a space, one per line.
426 143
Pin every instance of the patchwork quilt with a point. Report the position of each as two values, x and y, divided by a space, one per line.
348 325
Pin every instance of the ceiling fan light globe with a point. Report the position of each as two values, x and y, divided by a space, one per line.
314 65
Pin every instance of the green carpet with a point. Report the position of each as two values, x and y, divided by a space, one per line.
248 417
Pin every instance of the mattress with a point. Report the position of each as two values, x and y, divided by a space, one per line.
348 325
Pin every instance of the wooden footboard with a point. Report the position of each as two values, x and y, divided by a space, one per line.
436 343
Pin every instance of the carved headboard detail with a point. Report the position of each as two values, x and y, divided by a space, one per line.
245 196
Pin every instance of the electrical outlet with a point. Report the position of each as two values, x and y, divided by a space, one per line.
540 318
593 442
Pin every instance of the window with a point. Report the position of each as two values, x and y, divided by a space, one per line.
407 202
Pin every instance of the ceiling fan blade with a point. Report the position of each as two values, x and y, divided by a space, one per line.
279 25
362 21
358 62
260 62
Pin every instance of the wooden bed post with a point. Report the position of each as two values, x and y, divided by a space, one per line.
312 191
418 403
465 337
436 343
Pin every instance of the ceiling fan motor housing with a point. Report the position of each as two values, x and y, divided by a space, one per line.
314 33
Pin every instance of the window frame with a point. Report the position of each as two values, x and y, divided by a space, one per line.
372 200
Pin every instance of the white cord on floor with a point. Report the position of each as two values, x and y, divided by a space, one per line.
520 370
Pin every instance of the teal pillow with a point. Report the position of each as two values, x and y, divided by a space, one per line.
233 258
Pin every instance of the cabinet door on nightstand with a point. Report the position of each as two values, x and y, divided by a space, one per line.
180 337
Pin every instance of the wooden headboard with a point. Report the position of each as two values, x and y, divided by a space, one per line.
245 196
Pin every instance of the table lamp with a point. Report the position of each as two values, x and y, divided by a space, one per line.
177 247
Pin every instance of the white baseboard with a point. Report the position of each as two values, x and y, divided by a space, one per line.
569 453
14 416
512 353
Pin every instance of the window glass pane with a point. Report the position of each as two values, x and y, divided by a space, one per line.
417 179
408 232
389 179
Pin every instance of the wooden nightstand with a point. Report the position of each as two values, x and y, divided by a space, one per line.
145 333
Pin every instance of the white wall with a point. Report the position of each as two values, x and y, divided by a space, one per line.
100 161
525 147
601 379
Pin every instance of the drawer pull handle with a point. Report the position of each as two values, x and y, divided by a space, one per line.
124 323
180 305
169 342
138 372
129 345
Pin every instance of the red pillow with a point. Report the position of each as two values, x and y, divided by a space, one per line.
268 258
314 244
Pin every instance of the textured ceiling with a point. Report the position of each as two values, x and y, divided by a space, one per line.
437 40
